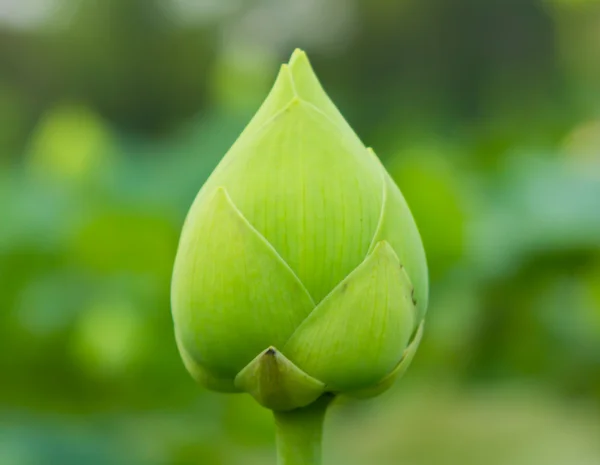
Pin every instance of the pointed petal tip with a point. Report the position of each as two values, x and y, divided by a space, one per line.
283 81
271 351
308 87
220 190
284 71
301 70
283 94
383 248
298 54
221 197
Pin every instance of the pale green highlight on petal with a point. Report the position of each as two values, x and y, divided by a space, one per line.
278 384
282 93
309 89
398 372
202 376
398 227
312 192
358 333
232 295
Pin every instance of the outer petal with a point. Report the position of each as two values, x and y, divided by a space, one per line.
232 295
358 333
305 181
278 384
398 372
398 227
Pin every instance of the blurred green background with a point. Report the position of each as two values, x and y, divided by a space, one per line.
114 112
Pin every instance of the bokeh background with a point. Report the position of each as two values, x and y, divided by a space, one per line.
114 112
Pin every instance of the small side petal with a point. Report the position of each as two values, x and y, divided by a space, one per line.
278 384
232 295
398 372
358 333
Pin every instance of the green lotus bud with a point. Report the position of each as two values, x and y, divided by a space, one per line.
300 270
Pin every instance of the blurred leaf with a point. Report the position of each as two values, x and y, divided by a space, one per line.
435 192
71 144
537 207
496 427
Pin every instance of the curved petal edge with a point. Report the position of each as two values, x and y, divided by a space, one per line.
232 294
202 376
398 372
358 333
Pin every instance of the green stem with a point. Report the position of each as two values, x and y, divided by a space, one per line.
300 432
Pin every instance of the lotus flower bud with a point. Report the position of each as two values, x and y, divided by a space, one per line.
300 269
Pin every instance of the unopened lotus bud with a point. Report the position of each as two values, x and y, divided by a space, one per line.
300 269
